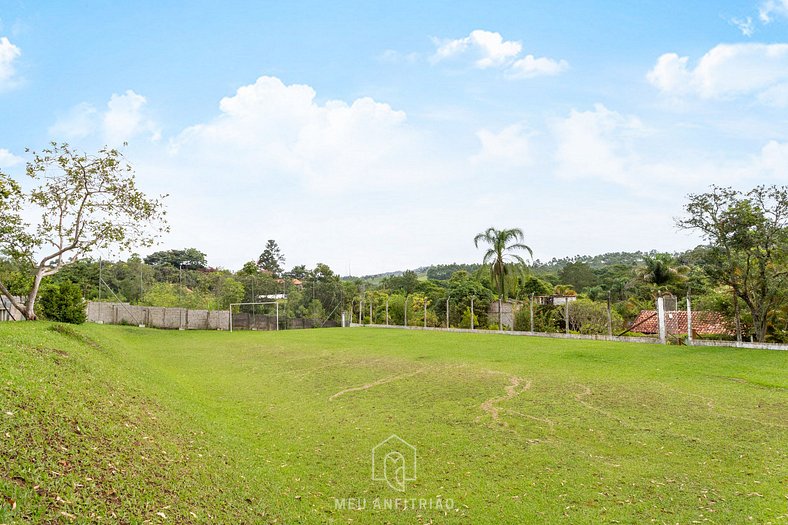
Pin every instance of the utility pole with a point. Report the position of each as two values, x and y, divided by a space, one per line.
447 313
387 310
425 312
471 313
609 317
566 313
405 308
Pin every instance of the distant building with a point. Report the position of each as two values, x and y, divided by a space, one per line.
554 300
703 323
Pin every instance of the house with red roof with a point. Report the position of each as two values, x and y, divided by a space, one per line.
703 323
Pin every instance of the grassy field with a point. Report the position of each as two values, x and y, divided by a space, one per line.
120 424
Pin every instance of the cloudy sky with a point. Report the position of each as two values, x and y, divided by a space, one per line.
380 136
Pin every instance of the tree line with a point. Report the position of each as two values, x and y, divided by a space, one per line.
90 203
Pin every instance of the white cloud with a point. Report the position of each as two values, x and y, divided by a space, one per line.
726 71
596 144
269 130
745 25
79 122
529 67
8 159
608 146
8 54
488 49
511 147
771 8
773 159
124 119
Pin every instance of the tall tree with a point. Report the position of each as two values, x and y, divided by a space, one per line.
501 259
85 202
748 234
271 259
187 258
579 275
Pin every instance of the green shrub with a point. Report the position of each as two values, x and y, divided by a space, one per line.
62 302
465 322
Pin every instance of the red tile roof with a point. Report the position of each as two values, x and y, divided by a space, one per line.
703 323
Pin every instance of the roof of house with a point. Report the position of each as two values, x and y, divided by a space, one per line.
703 323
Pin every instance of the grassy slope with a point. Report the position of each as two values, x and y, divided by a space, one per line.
204 426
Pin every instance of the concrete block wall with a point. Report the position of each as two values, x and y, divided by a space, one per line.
176 318
157 317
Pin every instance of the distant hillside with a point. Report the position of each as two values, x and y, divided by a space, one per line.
441 272
594 261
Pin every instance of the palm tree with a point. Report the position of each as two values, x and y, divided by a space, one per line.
500 258
661 270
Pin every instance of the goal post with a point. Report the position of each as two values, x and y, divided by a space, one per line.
254 304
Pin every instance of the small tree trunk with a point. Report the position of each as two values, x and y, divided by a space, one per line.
30 309
760 323
737 315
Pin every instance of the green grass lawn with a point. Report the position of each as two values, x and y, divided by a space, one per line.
119 424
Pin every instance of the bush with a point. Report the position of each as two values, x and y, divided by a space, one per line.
588 317
547 319
465 322
62 302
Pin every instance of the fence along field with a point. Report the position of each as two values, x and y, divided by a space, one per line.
190 319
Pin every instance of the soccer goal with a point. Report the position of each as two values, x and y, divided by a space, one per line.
276 303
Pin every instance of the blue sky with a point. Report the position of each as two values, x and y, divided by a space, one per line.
385 135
